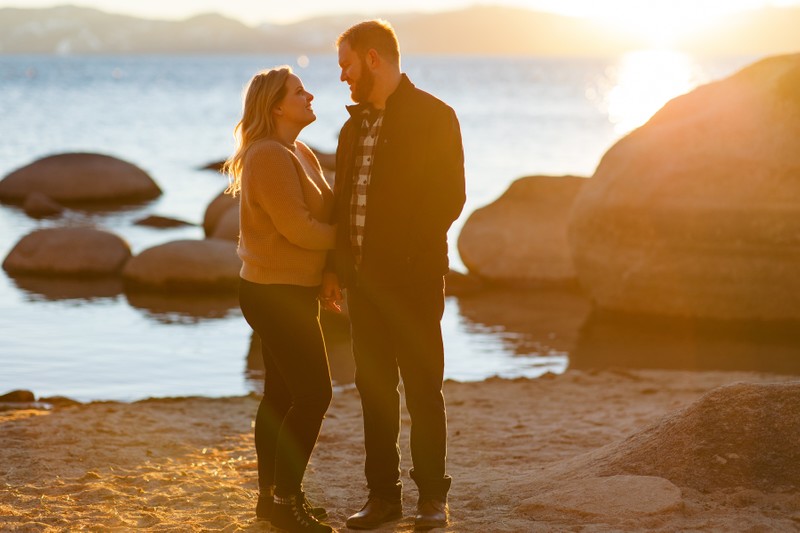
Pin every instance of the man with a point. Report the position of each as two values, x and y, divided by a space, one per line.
399 187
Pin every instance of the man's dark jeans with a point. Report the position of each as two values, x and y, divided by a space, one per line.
397 332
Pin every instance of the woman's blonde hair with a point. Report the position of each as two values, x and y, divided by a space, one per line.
265 90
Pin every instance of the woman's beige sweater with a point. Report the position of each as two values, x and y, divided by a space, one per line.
284 198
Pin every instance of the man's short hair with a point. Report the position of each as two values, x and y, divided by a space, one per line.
375 34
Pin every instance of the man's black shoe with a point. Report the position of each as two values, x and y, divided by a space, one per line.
431 514
375 512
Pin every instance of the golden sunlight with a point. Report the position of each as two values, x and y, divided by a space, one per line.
642 83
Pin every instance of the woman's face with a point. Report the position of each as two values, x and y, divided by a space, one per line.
295 107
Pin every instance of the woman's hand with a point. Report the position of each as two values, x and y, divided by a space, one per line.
330 293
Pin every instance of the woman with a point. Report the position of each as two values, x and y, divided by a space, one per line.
283 245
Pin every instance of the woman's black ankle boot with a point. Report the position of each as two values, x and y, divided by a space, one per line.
291 515
265 503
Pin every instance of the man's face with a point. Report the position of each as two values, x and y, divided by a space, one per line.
356 73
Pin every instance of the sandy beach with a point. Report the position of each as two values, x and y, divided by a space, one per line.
525 455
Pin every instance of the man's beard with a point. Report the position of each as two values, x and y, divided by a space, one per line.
363 87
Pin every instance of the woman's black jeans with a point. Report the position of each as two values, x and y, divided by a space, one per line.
297 381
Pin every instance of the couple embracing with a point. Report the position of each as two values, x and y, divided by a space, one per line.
382 235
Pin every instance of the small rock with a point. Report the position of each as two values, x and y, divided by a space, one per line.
214 165
618 496
156 221
59 401
18 396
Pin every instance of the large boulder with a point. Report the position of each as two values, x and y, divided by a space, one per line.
80 178
741 435
697 213
522 236
68 252
736 446
185 265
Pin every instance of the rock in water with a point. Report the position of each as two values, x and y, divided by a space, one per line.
68 252
216 210
80 178
18 396
161 222
227 226
185 265
521 238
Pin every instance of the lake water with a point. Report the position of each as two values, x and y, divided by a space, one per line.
171 115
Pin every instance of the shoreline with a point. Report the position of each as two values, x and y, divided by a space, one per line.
188 464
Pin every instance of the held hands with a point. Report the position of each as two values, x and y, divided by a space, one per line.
330 293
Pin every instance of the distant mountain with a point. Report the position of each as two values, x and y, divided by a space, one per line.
476 30
67 29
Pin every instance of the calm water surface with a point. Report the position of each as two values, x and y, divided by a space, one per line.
171 115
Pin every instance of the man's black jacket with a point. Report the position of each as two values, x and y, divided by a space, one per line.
415 193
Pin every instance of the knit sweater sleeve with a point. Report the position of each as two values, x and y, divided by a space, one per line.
273 181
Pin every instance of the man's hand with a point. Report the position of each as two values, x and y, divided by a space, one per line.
330 293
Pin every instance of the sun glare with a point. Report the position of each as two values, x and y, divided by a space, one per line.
641 83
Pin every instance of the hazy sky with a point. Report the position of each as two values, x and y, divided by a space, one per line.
257 11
